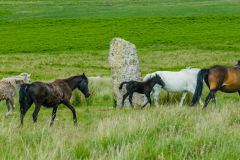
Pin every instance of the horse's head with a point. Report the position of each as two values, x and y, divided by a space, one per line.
22 78
26 77
159 80
83 85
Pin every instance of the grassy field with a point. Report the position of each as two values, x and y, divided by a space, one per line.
59 38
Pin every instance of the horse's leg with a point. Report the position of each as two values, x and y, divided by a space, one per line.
8 108
68 104
239 93
156 95
201 102
124 97
149 100
210 96
35 113
12 103
130 99
54 112
182 99
24 111
214 100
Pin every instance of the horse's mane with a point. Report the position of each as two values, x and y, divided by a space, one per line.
148 76
73 77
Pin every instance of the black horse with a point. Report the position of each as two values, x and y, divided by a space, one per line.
140 87
51 95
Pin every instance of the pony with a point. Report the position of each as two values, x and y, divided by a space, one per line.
223 78
8 87
144 87
51 95
183 81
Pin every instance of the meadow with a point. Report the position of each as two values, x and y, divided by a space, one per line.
59 38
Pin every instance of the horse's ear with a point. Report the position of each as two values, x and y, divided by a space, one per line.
83 74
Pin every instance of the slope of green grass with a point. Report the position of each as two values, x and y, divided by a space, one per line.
162 33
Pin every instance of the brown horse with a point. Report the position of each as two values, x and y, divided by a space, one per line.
51 95
225 79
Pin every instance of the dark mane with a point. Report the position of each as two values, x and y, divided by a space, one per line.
73 77
217 66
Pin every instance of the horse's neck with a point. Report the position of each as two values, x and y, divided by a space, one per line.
72 82
152 83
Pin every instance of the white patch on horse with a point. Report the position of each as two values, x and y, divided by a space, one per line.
183 81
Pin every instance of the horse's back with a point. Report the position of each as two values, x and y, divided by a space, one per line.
178 78
48 94
227 78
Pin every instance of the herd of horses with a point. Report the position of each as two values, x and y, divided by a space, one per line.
223 78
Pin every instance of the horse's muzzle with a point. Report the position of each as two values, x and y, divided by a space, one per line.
87 95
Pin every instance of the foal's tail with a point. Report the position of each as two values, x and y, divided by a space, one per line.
23 99
121 85
199 87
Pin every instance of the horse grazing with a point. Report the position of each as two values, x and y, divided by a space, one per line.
8 87
225 79
183 81
51 95
140 87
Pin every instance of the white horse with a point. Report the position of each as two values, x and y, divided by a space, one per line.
183 81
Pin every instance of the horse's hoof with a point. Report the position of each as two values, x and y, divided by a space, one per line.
75 122
8 114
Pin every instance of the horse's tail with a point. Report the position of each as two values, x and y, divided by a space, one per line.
121 85
23 98
199 87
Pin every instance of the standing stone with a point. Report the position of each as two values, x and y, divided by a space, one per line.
123 60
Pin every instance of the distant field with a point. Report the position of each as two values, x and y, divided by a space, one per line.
25 9
160 29
58 38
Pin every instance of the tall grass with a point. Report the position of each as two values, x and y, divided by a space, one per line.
167 132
